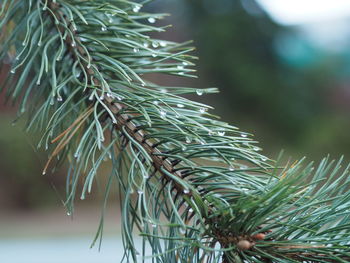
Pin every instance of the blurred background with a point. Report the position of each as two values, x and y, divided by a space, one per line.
283 69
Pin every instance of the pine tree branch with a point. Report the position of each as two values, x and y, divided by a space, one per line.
123 120
204 193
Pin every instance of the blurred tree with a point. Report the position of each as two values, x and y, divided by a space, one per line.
21 183
236 43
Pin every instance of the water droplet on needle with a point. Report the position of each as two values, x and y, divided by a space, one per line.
152 20
199 92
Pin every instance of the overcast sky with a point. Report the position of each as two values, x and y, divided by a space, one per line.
296 12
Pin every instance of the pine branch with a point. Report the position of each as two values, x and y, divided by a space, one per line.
203 191
122 120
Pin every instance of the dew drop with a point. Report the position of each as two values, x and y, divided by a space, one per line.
186 191
73 44
109 95
145 44
136 50
154 55
163 91
182 230
92 96
190 210
163 44
188 140
221 133
44 8
155 44
59 98
210 133
199 92
43 173
180 105
82 198
140 192
136 8
13 71
256 149
180 67
202 110
156 102
152 20
231 168
39 43
69 213
263 159
244 135
154 225
17 58
120 98
183 148
146 176
184 63
163 114
52 102
103 28
102 97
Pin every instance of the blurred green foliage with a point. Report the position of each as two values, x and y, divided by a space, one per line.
236 51
21 184
273 82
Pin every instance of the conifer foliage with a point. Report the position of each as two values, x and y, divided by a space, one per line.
194 188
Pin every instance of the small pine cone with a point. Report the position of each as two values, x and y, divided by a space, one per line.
259 236
244 245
